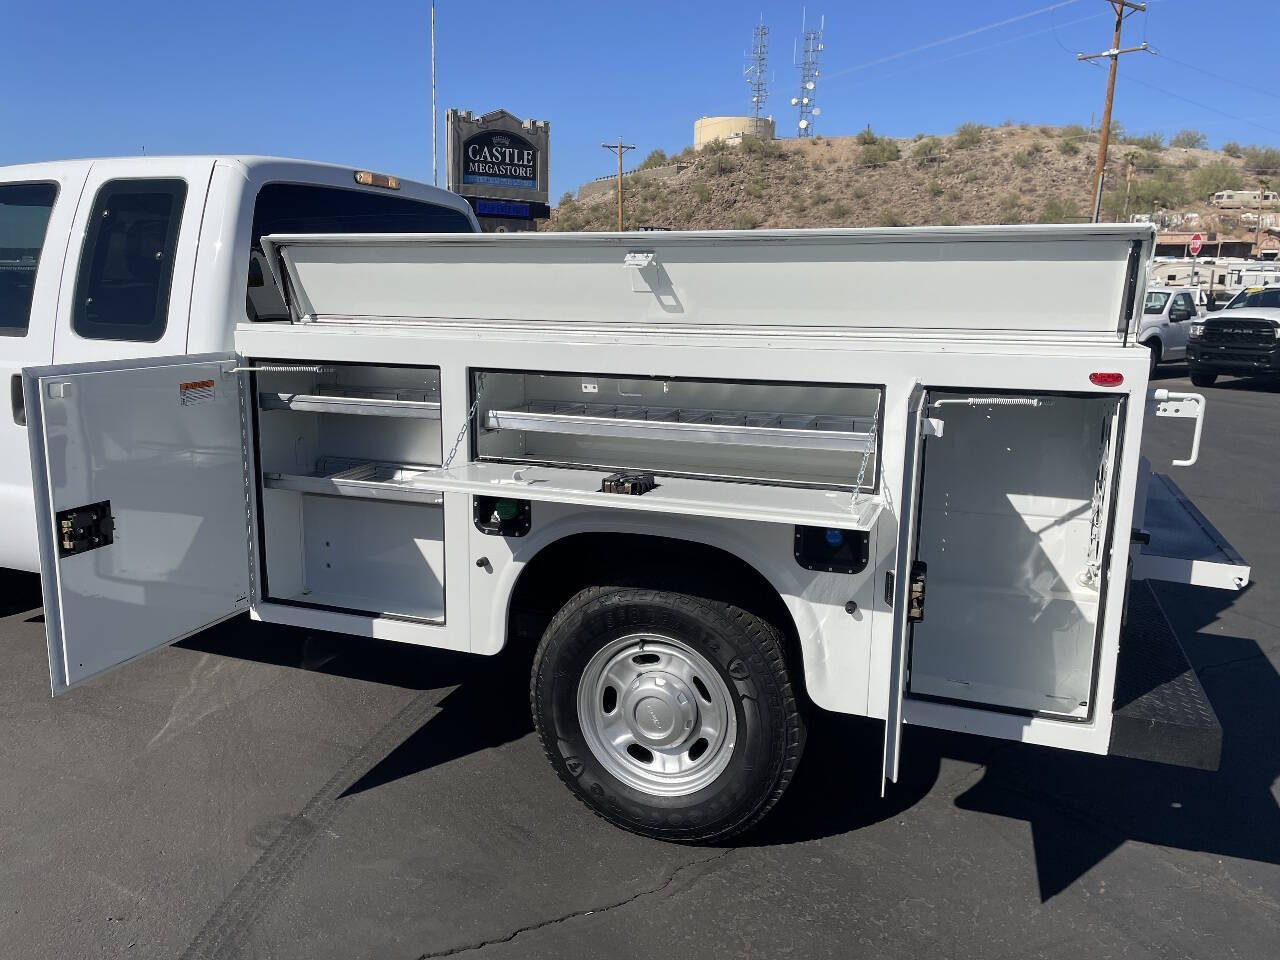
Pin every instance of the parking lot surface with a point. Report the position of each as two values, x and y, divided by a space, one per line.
261 792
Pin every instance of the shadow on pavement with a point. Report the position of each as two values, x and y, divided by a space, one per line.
1080 807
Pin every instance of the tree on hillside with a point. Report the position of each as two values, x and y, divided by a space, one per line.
656 158
1192 139
1208 180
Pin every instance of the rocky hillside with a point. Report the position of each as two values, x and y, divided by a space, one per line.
1009 174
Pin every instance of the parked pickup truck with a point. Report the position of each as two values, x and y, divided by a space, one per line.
1242 339
1167 313
151 256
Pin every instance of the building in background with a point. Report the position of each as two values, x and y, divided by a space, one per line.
498 163
730 129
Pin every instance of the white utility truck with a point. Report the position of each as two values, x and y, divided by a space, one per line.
721 477
130 257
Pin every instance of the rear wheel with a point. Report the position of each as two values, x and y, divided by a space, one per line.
1202 378
1157 350
669 714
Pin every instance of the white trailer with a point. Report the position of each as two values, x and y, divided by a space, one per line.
719 478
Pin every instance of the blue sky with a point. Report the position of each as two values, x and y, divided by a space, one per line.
349 81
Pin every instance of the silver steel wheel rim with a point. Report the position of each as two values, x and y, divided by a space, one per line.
657 714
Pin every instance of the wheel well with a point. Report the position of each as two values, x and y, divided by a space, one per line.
568 565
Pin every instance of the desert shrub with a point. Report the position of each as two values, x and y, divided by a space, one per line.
745 221
1059 211
927 151
1010 209
702 192
1261 159
1192 139
865 137
1232 149
838 210
1145 162
819 198
1147 141
656 158
880 152
968 135
1022 159
565 199
1068 148
890 217
1213 177
1073 131
935 188
754 189
764 149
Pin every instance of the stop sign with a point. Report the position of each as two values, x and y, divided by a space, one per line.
1194 245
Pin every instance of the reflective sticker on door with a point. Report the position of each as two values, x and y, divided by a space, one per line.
196 391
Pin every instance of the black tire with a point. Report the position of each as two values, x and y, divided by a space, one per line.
1203 379
748 654
1157 352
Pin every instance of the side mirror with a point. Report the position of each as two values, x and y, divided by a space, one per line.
1213 305
1178 314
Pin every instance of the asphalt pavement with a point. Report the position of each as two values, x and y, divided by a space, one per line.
262 792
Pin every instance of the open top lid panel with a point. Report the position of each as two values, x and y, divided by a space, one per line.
1074 282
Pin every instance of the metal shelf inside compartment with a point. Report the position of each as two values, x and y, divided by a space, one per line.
337 476
745 428
364 401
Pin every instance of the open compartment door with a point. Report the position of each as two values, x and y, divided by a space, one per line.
906 596
1181 545
141 507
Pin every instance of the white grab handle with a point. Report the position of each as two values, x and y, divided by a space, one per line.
1188 406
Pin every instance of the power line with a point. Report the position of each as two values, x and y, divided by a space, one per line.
1202 106
952 39
1217 76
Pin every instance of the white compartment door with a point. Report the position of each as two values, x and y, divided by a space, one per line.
908 524
139 469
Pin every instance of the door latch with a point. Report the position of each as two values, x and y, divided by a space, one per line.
82 529
915 597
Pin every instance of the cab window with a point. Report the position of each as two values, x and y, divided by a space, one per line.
1155 302
24 218
305 208
126 265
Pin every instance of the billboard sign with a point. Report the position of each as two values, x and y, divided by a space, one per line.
500 159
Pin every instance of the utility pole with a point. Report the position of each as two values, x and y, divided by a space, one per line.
1128 182
1263 187
619 148
435 179
1123 8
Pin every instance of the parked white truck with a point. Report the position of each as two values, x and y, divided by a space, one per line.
153 256
720 478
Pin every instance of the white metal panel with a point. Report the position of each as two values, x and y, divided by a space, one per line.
1185 547
903 279
908 524
679 495
171 463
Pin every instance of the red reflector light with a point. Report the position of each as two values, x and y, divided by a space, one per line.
1106 379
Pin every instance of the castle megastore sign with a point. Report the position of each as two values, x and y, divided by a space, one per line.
500 159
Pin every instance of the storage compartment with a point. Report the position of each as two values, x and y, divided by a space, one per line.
343 526
813 435
1013 530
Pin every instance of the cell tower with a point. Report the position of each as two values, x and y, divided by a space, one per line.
755 73
809 56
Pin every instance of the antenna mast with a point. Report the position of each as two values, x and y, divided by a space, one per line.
810 56
755 73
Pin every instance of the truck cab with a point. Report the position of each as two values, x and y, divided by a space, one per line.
1243 339
135 257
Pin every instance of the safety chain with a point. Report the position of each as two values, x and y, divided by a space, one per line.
866 456
475 406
